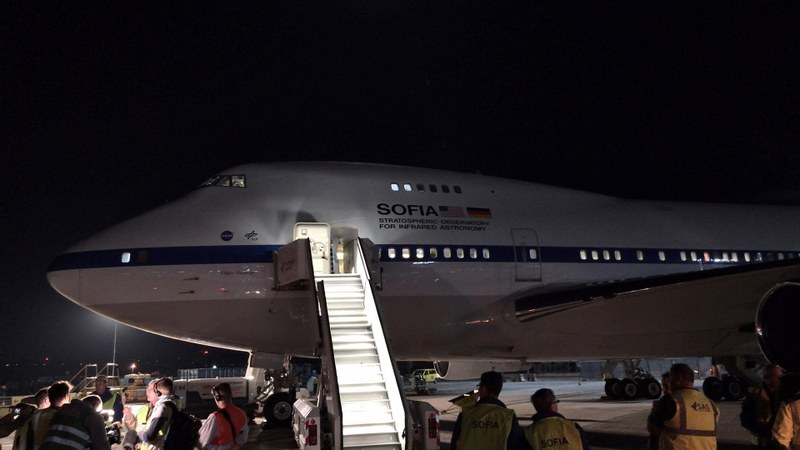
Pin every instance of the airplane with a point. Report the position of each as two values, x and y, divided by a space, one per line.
470 268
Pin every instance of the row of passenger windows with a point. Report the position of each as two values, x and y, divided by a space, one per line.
408 187
689 255
447 253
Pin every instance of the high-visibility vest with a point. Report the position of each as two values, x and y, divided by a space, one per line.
141 421
554 433
41 423
68 430
485 426
694 425
225 438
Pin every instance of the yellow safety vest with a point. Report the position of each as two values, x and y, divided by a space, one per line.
110 403
694 425
556 433
141 422
485 426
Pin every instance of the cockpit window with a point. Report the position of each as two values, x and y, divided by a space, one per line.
237 181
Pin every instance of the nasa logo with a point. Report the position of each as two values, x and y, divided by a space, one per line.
406 210
226 235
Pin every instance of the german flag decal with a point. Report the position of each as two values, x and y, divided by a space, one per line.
479 213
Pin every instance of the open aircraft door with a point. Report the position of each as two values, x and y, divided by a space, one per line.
319 238
527 256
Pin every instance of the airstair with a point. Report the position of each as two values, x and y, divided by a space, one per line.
361 393
369 409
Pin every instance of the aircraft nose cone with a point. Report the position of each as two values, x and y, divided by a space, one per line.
64 279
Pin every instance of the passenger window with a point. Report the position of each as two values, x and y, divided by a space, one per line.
447 253
747 256
238 181
759 257
395 187
406 253
486 253
780 256
595 255
618 255
420 187
445 189
473 253
662 256
392 253
532 253
725 257
407 187
735 257
141 257
460 253
420 253
706 257
640 255
126 257
694 256
683 256
457 189
434 254
606 255
583 255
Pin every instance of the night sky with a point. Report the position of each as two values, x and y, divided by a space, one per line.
111 111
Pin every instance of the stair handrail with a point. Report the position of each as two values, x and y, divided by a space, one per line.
394 384
330 381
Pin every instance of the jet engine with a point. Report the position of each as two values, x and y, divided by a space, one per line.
777 322
470 369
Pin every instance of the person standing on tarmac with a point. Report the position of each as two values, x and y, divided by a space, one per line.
111 400
550 429
488 425
688 419
760 407
653 430
138 423
33 437
786 430
225 428
76 426
161 417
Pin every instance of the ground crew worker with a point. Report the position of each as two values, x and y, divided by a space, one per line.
488 425
760 407
688 419
786 430
20 421
37 426
76 426
111 400
226 428
550 429
138 423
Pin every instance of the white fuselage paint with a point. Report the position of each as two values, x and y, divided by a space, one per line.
200 268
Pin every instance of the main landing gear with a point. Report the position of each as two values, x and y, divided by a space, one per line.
637 383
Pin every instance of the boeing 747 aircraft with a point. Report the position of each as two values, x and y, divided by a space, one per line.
467 267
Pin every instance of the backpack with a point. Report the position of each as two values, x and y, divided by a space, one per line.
183 430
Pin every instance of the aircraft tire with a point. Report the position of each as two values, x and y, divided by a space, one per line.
712 388
651 388
733 388
278 409
629 389
609 388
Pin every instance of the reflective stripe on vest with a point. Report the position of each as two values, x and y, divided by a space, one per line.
554 433
67 430
110 403
694 424
485 426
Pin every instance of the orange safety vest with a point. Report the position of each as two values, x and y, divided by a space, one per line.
225 436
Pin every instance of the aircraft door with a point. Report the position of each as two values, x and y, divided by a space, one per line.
319 236
527 255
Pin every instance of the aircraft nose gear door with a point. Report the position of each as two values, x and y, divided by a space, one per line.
319 238
527 256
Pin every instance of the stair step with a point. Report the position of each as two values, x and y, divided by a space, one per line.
367 418
353 346
359 436
352 338
358 406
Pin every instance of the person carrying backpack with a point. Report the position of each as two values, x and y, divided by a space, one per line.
158 426
226 428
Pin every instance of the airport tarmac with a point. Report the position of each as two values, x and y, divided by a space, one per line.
609 424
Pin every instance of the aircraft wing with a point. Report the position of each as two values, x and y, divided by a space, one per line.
715 312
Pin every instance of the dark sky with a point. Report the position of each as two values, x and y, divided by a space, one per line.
113 110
